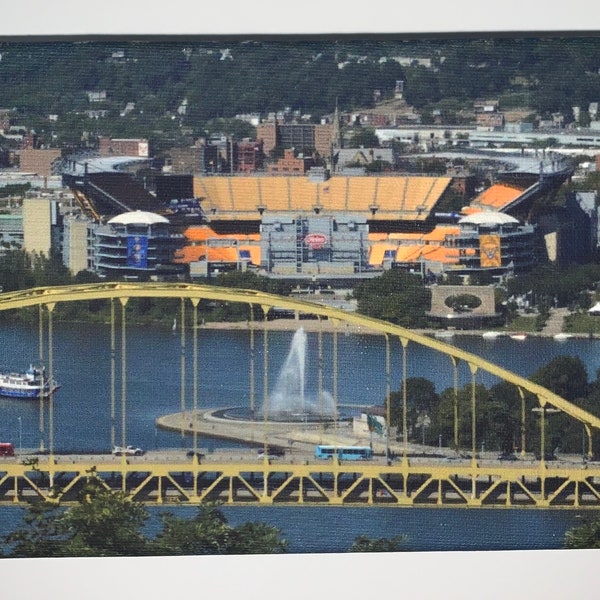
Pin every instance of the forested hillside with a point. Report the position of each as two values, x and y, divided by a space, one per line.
224 77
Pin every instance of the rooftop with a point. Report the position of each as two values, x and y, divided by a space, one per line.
138 217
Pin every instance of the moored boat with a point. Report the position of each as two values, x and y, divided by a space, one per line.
444 334
518 336
31 384
492 335
561 337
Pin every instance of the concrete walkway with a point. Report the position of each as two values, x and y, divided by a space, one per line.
303 436
555 322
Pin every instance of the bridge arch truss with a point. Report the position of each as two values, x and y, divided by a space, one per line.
406 482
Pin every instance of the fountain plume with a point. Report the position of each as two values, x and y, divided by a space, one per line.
289 399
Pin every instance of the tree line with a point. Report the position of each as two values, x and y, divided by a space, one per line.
403 298
396 296
222 78
498 411
103 523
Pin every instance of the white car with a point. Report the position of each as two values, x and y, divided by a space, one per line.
129 451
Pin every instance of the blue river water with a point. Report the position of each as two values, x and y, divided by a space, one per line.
82 418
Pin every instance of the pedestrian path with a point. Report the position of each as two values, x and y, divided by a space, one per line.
555 322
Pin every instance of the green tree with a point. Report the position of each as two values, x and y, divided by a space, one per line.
363 543
209 533
378 166
231 127
40 536
443 416
585 536
206 533
565 376
102 523
257 538
421 397
105 523
502 417
395 296
365 137
421 86
15 271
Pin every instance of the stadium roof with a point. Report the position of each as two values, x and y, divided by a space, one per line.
487 217
100 164
138 217
497 197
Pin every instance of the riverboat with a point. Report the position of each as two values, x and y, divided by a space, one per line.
492 335
561 337
31 384
518 336
444 334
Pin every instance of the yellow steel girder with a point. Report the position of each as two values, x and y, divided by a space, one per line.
482 486
72 293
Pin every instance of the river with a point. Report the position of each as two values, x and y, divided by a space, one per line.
82 418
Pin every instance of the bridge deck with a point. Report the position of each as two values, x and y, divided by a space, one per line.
241 477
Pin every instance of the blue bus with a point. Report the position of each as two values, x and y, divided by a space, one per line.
344 452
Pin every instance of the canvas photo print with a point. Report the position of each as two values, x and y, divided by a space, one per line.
303 294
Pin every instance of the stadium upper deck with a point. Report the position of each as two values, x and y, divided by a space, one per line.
376 198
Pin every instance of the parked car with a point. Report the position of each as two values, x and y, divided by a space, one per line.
191 454
129 451
272 452
507 456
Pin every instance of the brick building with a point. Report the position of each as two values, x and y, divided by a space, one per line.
29 141
4 119
249 156
291 164
297 135
39 161
123 147
494 120
267 132
181 161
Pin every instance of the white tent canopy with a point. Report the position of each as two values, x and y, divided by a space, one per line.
595 310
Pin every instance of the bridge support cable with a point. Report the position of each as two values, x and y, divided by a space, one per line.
404 343
455 401
113 375
42 368
335 377
195 302
266 390
50 308
123 301
182 368
320 380
542 431
388 392
251 324
523 421
473 369
590 451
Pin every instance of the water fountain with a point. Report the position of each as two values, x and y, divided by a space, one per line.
289 400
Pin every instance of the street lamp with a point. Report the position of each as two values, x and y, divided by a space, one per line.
20 435
423 421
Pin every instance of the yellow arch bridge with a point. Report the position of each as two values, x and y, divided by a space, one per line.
464 479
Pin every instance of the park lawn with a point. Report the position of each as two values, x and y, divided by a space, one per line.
521 323
582 323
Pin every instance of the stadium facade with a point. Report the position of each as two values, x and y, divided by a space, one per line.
313 227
